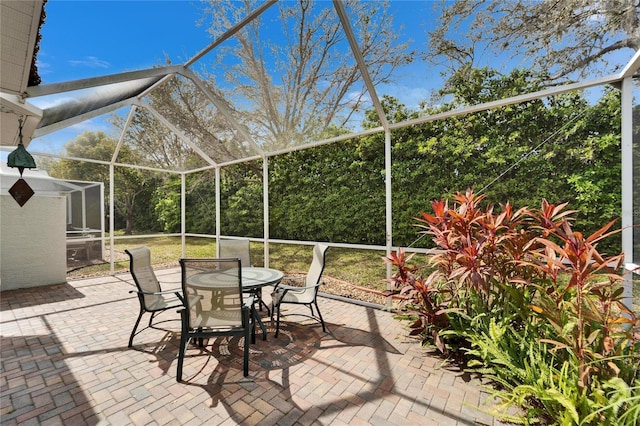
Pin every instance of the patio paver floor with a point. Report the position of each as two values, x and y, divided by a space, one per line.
65 360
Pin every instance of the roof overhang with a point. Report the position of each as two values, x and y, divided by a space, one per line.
12 108
19 23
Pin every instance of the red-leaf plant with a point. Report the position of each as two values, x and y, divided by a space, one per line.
420 299
581 294
518 260
478 250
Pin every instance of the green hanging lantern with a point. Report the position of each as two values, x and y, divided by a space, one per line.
20 158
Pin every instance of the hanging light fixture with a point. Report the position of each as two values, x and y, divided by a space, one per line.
20 158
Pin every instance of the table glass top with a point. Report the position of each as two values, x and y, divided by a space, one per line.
251 277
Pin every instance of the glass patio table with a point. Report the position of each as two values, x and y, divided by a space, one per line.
253 279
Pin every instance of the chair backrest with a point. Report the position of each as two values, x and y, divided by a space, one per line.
317 265
212 290
143 275
238 249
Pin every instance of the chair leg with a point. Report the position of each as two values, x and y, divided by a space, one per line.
258 294
320 315
153 314
247 336
252 322
180 360
265 306
183 348
277 319
133 333
253 334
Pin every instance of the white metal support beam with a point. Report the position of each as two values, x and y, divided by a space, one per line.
183 213
82 117
112 215
265 207
178 132
510 101
632 66
102 224
217 185
231 31
116 152
389 205
627 186
362 66
87 83
222 108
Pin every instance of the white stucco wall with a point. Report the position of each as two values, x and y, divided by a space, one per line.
32 242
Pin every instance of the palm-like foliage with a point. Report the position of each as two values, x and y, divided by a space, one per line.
532 304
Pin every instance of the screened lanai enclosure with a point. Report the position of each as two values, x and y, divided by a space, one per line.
338 122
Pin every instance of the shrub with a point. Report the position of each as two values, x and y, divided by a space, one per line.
532 304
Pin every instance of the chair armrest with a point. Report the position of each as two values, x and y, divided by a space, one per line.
158 293
248 313
248 304
294 278
279 292
294 288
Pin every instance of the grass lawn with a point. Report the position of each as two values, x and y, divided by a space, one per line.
363 268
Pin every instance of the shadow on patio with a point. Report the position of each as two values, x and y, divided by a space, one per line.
65 360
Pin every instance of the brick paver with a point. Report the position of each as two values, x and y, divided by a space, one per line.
65 360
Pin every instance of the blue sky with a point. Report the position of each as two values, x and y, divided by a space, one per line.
89 38
82 39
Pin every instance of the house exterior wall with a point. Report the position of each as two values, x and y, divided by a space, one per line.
32 242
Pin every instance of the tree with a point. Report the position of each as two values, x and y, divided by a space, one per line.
305 88
34 75
190 110
560 148
294 89
561 36
129 183
167 204
241 202
333 192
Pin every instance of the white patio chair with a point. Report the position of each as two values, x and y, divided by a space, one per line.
212 290
150 295
305 295
240 249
